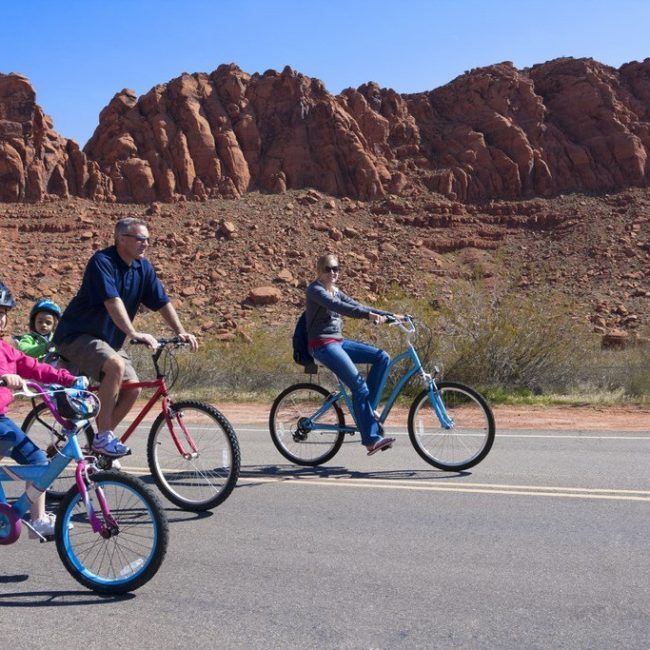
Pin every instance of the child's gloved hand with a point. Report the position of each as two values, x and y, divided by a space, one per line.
80 383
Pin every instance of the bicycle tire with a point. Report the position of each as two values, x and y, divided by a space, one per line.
38 424
200 483
303 448
462 446
114 564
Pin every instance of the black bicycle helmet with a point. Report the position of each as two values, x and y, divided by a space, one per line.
43 304
6 298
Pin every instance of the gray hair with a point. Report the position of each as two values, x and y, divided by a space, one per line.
123 225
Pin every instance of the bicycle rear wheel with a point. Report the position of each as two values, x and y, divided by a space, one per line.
114 561
41 427
205 474
463 445
296 435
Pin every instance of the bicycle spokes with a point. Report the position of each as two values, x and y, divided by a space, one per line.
194 455
451 428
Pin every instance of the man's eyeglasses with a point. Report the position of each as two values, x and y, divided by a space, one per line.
140 238
331 269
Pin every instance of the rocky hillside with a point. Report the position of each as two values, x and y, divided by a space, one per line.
492 133
524 179
231 263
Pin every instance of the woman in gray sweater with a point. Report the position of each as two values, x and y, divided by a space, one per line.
326 303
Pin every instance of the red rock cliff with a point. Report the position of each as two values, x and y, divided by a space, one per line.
34 160
495 132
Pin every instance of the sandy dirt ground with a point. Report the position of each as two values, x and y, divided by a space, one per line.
507 417
584 418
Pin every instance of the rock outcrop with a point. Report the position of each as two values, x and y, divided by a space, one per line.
224 133
35 161
493 133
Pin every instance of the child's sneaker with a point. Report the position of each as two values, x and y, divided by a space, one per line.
43 526
106 443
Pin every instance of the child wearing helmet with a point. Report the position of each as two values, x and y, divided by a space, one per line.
14 367
43 319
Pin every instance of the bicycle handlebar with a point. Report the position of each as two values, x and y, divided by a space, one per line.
24 390
406 324
34 389
176 340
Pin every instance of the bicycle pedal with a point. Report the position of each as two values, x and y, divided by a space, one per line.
46 538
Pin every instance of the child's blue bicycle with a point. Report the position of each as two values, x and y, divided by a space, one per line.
111 532
450 425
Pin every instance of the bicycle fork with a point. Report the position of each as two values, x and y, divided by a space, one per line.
446 421
109 526
171 414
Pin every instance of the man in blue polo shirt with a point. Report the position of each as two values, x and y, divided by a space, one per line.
94 326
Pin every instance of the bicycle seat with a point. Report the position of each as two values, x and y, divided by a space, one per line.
311 368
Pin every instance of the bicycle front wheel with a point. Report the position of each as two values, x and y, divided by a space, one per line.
194 456
41 427
469 439
295 431
128 552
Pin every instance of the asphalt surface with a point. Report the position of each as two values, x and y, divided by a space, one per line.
543 545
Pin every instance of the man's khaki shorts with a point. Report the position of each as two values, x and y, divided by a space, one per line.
86 355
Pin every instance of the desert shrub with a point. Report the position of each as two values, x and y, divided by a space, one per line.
237 369
512 347
510 341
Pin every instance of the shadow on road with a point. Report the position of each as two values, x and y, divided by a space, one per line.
176 515
292 471
54 598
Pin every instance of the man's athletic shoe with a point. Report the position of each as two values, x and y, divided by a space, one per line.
106 443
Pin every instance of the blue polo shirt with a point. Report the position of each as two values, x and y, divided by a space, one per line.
107 276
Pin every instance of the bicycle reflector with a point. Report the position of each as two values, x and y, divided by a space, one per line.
76 404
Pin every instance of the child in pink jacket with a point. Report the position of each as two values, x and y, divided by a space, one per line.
14 367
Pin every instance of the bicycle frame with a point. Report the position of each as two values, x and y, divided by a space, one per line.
167 406
415 368
161 392
42 476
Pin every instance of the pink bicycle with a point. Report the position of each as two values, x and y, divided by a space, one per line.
111 532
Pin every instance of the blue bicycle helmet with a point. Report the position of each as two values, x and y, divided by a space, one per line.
43 304
6 298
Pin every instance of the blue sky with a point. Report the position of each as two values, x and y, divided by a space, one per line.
79 53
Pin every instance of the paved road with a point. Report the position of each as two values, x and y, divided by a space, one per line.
543 545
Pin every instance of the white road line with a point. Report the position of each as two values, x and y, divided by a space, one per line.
616 494
572 493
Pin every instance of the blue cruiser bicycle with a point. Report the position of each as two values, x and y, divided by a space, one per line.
450 425
111 532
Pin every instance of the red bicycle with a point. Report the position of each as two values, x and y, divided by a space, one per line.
192 449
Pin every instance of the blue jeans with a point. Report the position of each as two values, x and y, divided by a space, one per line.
340 359
14 443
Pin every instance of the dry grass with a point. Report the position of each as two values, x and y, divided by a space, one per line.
516 350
